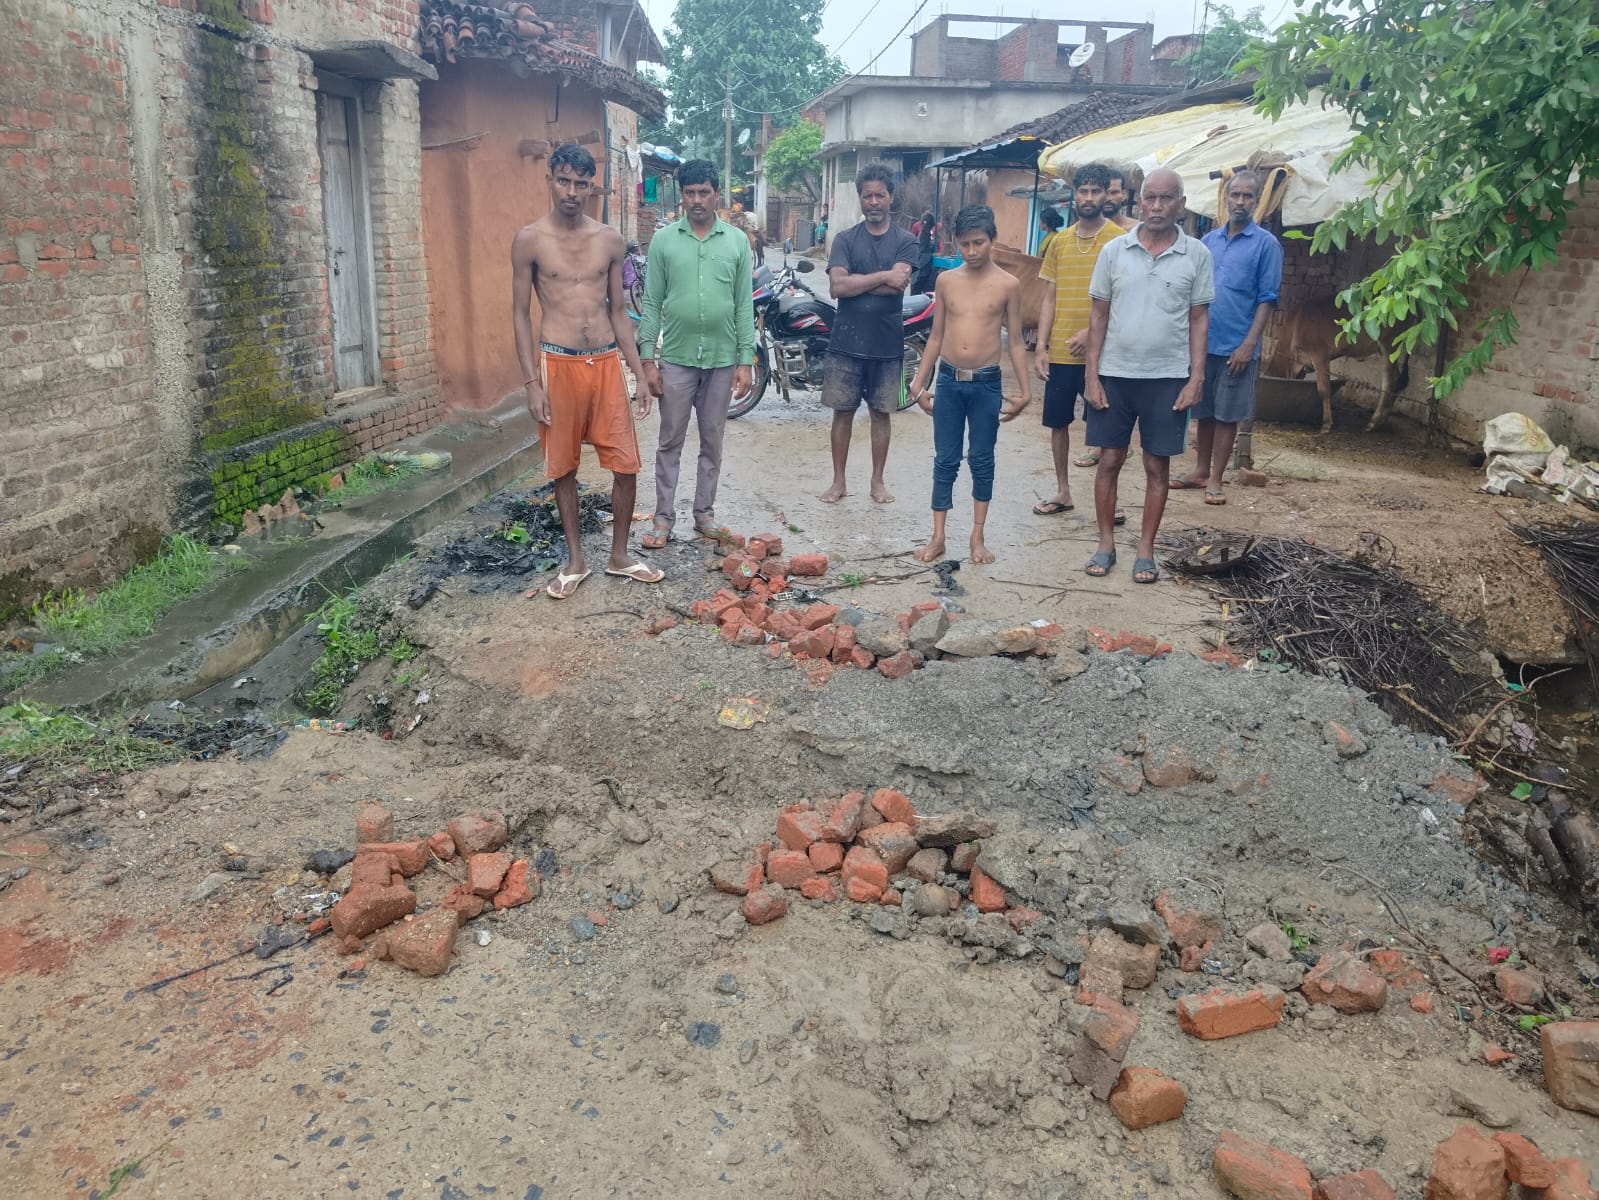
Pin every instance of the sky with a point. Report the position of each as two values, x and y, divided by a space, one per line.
859 31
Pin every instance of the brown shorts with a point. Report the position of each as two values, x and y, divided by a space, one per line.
588 403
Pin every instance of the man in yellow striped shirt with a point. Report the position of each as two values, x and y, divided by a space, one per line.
1063 320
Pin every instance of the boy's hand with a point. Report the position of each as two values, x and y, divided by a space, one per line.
1041 362
641 401
1094 392
1013 407
538 404
923 398
1078 345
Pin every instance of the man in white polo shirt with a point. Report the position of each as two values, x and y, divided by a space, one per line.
1151 292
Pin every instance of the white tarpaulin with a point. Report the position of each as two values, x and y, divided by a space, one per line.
1215 137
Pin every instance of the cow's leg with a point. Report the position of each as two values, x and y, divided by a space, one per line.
1321 360
1390 385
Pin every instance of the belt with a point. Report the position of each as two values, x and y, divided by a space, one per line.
569 352
963 375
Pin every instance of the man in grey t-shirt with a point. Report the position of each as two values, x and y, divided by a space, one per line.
1151 292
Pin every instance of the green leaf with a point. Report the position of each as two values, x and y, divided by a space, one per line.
1521 791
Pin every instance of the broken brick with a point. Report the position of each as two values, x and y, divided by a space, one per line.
1496 1055
1093 1068
486 872
1220 1014
519 888
348 945
1176 768
442 845
789 868
412 856
1519 987
988 895
864 874
1188 927
1361 1185
825 857
798 827
1135 964
895 806
756 548
817 888
464 903
808 564
843 645
374 823
1111 1028
1571 1064
1421 1002
894 843
1099 985
773 541
891 897
1524 1162
1255 1170
366 909
1571 1182
724 600
478 833
813 643
862 659
425 944
783 625
1143 1097
764 905
927 865
1343 981
964 857
737 876
817 615
371 869
749 635
1467 1166
1192 958
1023 918
844 821
817 671
896 666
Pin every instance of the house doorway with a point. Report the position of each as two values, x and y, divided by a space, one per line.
346 211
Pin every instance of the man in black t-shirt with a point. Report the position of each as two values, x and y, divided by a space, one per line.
869 269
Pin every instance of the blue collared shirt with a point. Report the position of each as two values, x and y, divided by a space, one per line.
1249 273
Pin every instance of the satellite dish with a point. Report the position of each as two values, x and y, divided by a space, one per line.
744 137
1082 54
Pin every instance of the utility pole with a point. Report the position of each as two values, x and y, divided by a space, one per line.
727 136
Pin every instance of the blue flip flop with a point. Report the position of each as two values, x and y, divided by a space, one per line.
1145 567
1100 564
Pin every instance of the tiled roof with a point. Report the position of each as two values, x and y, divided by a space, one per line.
511 30
1100 110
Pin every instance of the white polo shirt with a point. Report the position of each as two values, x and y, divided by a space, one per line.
1150 297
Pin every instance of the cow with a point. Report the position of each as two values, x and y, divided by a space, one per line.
1309 335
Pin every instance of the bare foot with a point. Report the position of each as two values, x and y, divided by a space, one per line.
931 553
880 493
833 494
980 552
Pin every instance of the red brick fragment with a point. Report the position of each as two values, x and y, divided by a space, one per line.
442 845
1571 1064
826 857
1144 1097
764 905
464 903
486 872
895 806
366 909
371 869
1188 927
1467 1166
1362 1185
862 659
789 868
1519 987
1495 1055
425 944
737 876
964 856
927 865
891 897
817 615
1218 1014
813 643
808 564
1571 1182
478 832
1421 1002
817 888
896 666
519 887
1346 983
798 826
374 823
1524 1162
844 821
986 893
1254 1170
894 843
865 876
348 945
843 645
412 856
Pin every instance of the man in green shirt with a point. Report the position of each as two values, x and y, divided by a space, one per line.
697 305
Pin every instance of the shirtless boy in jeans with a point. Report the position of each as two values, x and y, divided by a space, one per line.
568 354
975 301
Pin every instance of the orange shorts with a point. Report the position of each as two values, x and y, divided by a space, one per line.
588 403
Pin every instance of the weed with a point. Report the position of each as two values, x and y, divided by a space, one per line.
352 642
793 528
852 579
66 742
402 650
131 607
517 534
17 673
372 475
409 677
1296 940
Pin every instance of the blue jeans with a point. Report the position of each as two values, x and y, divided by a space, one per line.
964 414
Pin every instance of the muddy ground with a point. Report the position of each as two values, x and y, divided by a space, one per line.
841 1051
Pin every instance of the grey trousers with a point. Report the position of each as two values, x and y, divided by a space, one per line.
704 393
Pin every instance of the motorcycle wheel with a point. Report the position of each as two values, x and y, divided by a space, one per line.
763 376
913 363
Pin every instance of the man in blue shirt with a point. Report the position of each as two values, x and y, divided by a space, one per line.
1249 274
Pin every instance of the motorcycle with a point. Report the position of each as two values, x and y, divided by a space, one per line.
633 277
793 326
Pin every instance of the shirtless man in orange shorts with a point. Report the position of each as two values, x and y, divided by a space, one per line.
568 351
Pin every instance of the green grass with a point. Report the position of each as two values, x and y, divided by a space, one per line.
130 608
27 669
67 742
352 641
372 475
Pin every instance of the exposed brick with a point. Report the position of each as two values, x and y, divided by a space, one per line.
1135 964
425 944
894 806
1524 1162
798 827
374 870
478 833
764 905
864 874
1223 1014
809 565
443 845
1143 1097
1254 1170
1571 1064
964 856
366 909
1467 1166
737 876
1519 986
987 894
1188 927
521 886
1571 1182
927 865
843 821
412 856
485 873
374 823
818 615
1346 983
789 868
894 843
826 857
1362 1185
896 666
818 888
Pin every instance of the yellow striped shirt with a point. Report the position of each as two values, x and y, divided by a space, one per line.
1069 265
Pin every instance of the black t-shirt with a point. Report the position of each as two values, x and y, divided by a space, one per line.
870 326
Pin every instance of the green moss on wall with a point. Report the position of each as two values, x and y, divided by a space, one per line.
254 394
248 483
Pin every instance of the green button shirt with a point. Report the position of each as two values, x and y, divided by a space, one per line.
697 297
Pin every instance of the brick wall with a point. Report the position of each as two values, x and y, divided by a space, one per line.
969 58
165 244
82 466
